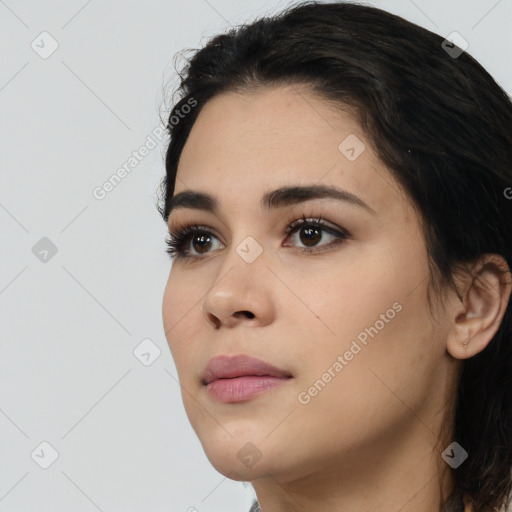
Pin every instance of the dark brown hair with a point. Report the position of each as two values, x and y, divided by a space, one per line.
443 128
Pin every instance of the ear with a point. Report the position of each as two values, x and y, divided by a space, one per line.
477 317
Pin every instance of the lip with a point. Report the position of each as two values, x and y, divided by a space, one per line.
241 389
239 378
229 367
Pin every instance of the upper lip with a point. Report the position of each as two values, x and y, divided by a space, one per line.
228 367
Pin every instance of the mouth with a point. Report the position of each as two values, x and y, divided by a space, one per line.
239 378
230 367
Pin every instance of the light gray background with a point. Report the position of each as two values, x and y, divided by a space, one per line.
69 326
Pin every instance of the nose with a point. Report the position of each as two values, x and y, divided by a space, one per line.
240 294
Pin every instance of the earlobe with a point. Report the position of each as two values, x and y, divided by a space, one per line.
478 317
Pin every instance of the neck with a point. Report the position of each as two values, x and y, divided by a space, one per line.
405 473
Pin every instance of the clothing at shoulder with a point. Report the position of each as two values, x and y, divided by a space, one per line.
455 503
255 507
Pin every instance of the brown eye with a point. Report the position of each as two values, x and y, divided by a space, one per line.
200 238
201 243
310 236
311 232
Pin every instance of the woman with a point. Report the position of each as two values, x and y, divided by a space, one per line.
338 194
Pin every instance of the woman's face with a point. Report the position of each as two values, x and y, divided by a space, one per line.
349 321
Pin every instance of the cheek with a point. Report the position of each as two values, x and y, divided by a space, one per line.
181 309
350 291
374 387
373 312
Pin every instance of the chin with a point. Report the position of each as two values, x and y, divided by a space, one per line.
230 463
245 457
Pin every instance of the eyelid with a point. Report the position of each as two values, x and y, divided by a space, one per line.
311 219
294 220
340 233
180 227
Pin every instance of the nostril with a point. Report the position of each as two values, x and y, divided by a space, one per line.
213 319
248 314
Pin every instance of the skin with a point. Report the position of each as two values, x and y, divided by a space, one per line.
372 438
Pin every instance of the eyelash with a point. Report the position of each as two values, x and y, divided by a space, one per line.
176 243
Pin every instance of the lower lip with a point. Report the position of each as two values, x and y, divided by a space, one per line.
240 389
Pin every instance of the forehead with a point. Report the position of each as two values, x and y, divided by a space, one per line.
244 144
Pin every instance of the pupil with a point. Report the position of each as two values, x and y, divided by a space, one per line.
310 236
202 239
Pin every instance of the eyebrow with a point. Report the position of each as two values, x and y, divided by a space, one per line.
274 199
